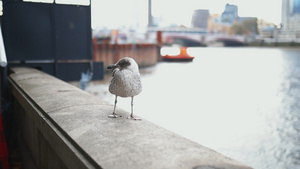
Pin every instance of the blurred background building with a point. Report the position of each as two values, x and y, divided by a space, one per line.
229 22
290 21
200 18
230 14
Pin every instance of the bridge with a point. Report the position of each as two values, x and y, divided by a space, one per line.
226 40
197 37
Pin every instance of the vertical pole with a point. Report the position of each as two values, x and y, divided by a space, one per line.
150 21
54 37
90 40
159 42
116 46
3 146
95 49
159 38
3 93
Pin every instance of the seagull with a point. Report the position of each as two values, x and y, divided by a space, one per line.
125 82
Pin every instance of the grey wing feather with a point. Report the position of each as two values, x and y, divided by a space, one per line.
125 83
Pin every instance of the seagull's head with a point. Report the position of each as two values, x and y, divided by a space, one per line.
125 63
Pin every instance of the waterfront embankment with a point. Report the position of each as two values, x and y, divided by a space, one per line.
65 127
274 44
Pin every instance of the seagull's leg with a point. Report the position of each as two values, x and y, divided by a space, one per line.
131 115
114 114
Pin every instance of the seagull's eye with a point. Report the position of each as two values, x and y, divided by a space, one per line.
123 64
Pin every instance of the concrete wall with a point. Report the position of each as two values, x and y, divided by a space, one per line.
65 127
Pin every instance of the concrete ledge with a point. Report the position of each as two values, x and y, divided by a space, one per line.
65 127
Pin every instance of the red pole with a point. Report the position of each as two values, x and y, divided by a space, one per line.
159 38
3 146
95 49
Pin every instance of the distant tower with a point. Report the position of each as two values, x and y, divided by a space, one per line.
296 7
200 18
150 18
230 13
286 12
290 20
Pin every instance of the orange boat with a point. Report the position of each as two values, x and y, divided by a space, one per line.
182 56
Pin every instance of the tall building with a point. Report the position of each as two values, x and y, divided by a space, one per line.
150 18
290 20
230 14
296 7
200 18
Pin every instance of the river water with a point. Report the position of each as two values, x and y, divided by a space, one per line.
241 102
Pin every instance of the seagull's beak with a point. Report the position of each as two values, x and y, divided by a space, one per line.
113 66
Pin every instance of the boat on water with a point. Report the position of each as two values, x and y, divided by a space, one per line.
182 56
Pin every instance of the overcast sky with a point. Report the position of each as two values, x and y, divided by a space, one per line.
115 13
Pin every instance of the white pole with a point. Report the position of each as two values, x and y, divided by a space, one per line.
3 60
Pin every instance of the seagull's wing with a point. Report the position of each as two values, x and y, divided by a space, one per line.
125 83
115 70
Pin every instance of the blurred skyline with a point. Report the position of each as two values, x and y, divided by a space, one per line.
134 13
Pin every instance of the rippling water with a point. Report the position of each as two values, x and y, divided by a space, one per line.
241 102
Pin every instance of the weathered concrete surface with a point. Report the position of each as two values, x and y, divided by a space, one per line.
76 127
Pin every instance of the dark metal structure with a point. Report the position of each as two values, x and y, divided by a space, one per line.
55 38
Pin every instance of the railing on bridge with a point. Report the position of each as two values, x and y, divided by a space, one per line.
178 30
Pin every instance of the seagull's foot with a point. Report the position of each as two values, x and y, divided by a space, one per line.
133 118
114 115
